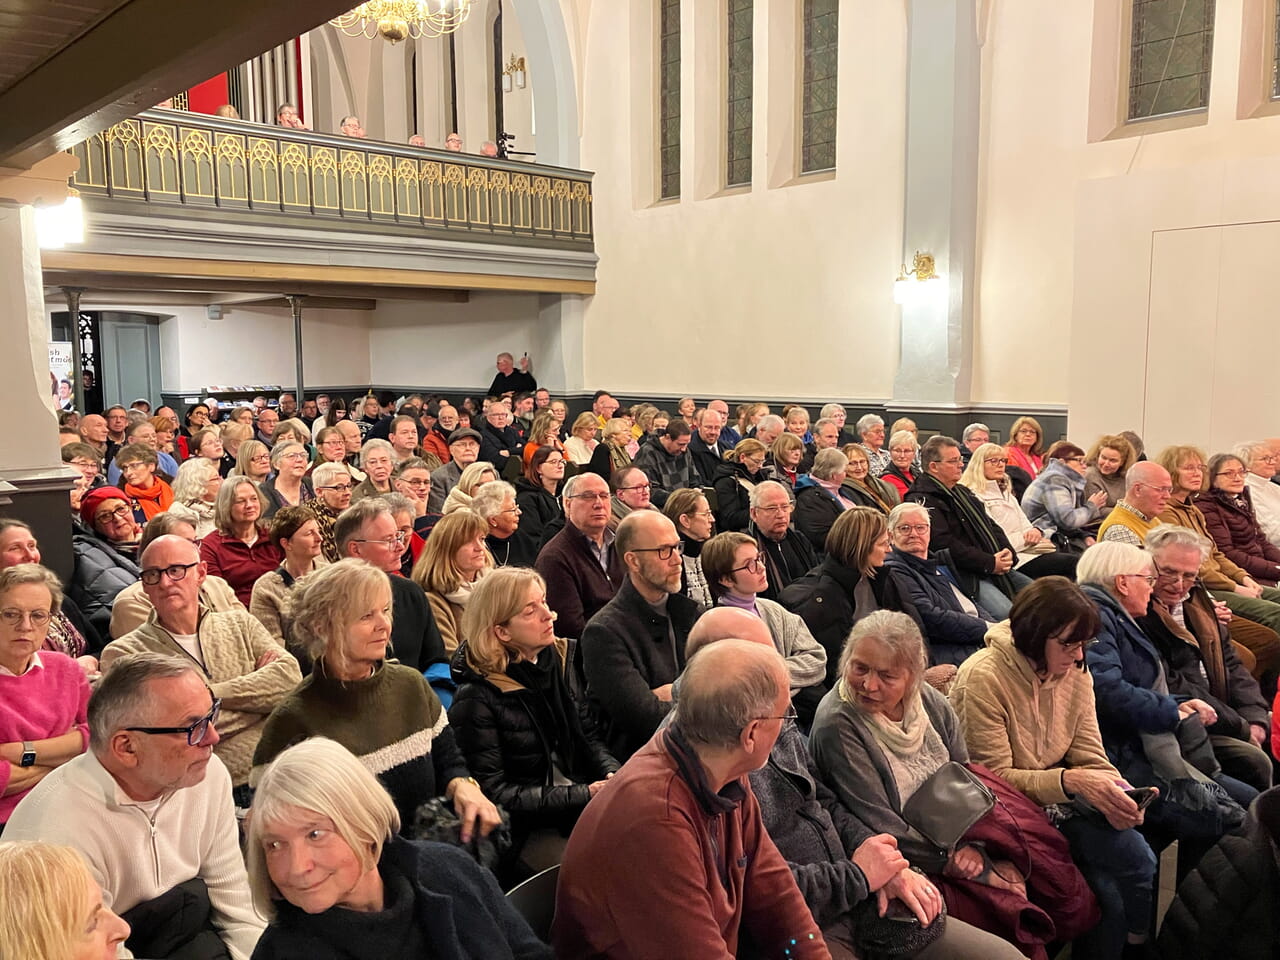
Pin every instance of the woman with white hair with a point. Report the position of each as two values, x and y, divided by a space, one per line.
881 734
196 486
382 711
289 486
53 906
508 543
1151 736
870 429
328 869
821 496
904 451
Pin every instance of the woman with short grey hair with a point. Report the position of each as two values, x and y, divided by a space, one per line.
289 486
821 496
871 434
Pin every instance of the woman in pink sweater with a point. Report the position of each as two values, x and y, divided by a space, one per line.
44 696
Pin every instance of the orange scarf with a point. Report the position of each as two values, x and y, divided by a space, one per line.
154 499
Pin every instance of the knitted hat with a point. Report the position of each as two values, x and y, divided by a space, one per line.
95 498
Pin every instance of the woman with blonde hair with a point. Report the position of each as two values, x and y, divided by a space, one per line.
787 452
1109 460
53 906
749 415
197 486
611 453
517 714
233 435
582 438
473 477
1026 446
744 468
544 432
382 711
334 879
1035 554
238 549
253 461
453 563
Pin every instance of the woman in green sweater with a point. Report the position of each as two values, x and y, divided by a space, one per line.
382 711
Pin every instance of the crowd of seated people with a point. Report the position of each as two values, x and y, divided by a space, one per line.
722 648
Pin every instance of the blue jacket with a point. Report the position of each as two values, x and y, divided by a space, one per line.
952 634
1125 664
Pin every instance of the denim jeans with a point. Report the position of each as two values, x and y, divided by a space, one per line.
1120 868
992 599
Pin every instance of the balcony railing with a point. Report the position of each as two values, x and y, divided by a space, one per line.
169 157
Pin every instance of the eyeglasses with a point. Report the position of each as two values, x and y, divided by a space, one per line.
293 456
516 510
638 486
704 514
175 572
387 541
1000 460
1069 645
663 552
1173 576
777 508
195 733
789 717
14 618
1151 580
415 483
596 497
754 565
1168 490
923 528
1231 474
261 458
344 487
119 513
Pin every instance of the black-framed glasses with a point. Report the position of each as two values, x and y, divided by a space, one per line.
1069 645
789 717
663 552
195 733
121 512
342 487
754 565
175 572
638 486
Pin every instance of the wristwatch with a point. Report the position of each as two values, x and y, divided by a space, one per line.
28 754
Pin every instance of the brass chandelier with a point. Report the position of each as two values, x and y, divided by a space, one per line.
395 20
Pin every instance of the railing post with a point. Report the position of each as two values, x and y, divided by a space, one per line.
295 301
73 307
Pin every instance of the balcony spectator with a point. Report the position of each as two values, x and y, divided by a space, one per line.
287 116
488 149
453 143
351 127
417 140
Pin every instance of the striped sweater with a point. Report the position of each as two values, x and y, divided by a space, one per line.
392 721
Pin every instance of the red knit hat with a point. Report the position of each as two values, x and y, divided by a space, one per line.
94 499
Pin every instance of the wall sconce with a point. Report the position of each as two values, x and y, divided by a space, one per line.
56 226
514 73
919 283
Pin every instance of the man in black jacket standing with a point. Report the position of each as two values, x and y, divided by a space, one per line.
507 381
633 649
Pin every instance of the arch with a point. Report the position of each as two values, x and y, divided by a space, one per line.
555 90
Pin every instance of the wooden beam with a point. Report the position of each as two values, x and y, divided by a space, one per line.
186 274
137 56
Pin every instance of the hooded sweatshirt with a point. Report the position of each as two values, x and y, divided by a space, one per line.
1025 729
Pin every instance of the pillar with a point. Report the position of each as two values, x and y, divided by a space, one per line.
940 207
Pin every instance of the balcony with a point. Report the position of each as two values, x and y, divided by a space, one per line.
168 184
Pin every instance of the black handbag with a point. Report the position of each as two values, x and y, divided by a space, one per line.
436 821
897 934
945 806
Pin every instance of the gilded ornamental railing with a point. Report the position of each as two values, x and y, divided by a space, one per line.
194 160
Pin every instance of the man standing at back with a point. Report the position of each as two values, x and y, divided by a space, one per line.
508 381
149 808
672 858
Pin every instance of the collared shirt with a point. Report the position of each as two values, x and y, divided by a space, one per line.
35 664
878 461
601 550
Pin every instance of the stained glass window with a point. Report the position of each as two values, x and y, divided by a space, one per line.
818 100
669 98
1170 57
739 60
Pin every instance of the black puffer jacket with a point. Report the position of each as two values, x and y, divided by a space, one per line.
823 599
733 501
99 574
1228 907
510 748
538 509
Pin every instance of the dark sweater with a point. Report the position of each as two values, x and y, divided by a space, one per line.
517 381
438 903
577 586
415 638
628 649
392 721
786 560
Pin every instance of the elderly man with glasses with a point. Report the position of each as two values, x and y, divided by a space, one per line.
149 807
787 553
245 667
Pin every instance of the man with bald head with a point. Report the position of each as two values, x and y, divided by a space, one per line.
244 666
1147 488
701 869
633 648
93 431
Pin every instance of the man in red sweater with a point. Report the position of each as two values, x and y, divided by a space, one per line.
671 859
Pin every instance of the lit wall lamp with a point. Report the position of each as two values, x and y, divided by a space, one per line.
514 73
56 226
918 284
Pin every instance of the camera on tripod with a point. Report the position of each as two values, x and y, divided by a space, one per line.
504 149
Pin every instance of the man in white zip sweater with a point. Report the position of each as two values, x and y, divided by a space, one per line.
149 806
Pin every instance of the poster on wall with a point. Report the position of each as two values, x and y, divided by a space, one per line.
61 367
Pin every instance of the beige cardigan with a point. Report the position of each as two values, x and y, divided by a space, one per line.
1022 728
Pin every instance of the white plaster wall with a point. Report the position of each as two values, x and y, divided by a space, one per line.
783 289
